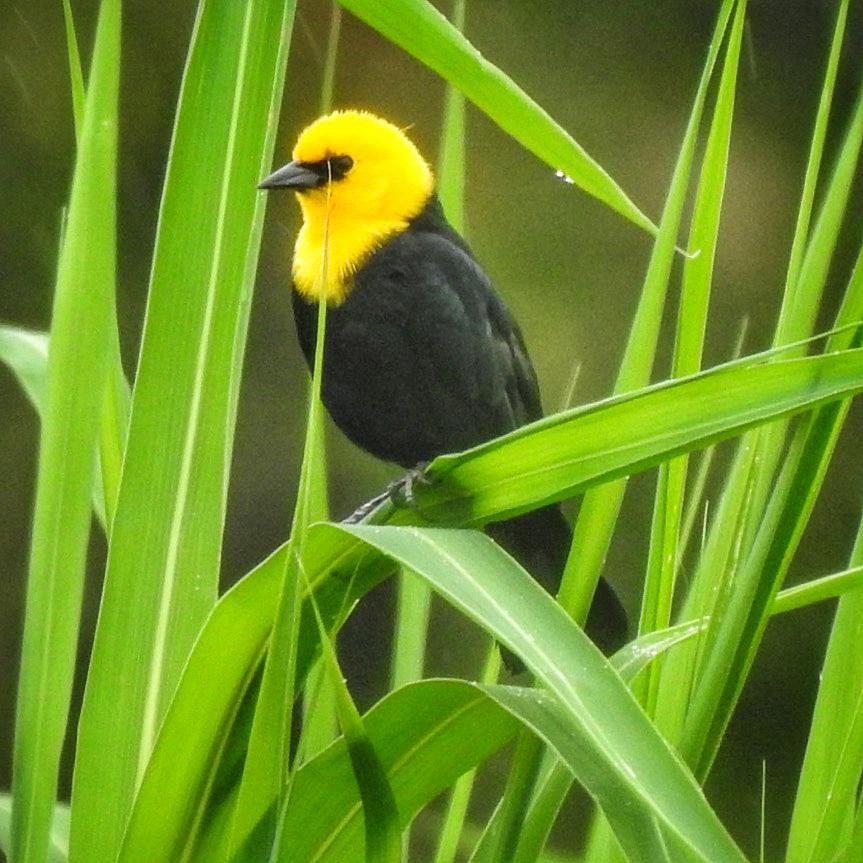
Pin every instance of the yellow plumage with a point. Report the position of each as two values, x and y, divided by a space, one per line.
387 185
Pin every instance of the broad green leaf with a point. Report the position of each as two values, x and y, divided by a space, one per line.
422 31
175 788
552 788
163 558
77 369
621 749
425 734
564 454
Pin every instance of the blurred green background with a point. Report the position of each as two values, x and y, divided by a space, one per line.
620 77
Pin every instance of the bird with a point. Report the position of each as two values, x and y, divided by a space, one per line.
421 355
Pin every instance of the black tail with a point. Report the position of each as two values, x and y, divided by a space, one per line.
540 542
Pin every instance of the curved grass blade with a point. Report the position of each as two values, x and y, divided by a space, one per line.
25 352
566 453
551 791
380 812
76 373
418 28
819 589
426 734
621 748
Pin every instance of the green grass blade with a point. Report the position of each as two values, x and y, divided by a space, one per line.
25 352
175 788
115 412
58 843
664 552
765 450
113 428
328 83
456 812
380 812
801 309
319 718
413 607
267 770
813 166
738 630
418 28
76 74
620 747
164 553
551 791
562 455
451 161
77 362
426 734
827 587
414 596
802 299
833 763
599 510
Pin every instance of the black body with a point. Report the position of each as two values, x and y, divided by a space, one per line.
424 358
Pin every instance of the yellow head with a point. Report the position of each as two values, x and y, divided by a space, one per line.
358 180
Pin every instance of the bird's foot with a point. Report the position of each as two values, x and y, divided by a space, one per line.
401 491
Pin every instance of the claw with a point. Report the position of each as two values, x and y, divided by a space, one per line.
401 492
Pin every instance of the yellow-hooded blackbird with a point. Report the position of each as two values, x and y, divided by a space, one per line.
422 357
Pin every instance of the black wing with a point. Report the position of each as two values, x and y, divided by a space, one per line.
423 357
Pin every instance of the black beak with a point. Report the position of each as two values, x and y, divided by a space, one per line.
295 175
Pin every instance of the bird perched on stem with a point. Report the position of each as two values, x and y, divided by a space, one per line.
421 355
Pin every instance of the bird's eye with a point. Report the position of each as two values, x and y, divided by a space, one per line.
339 166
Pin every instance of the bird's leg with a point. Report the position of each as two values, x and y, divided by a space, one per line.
400 491
364 509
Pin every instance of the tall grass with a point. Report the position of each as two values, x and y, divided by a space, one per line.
186 746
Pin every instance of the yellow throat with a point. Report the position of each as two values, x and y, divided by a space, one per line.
345 220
